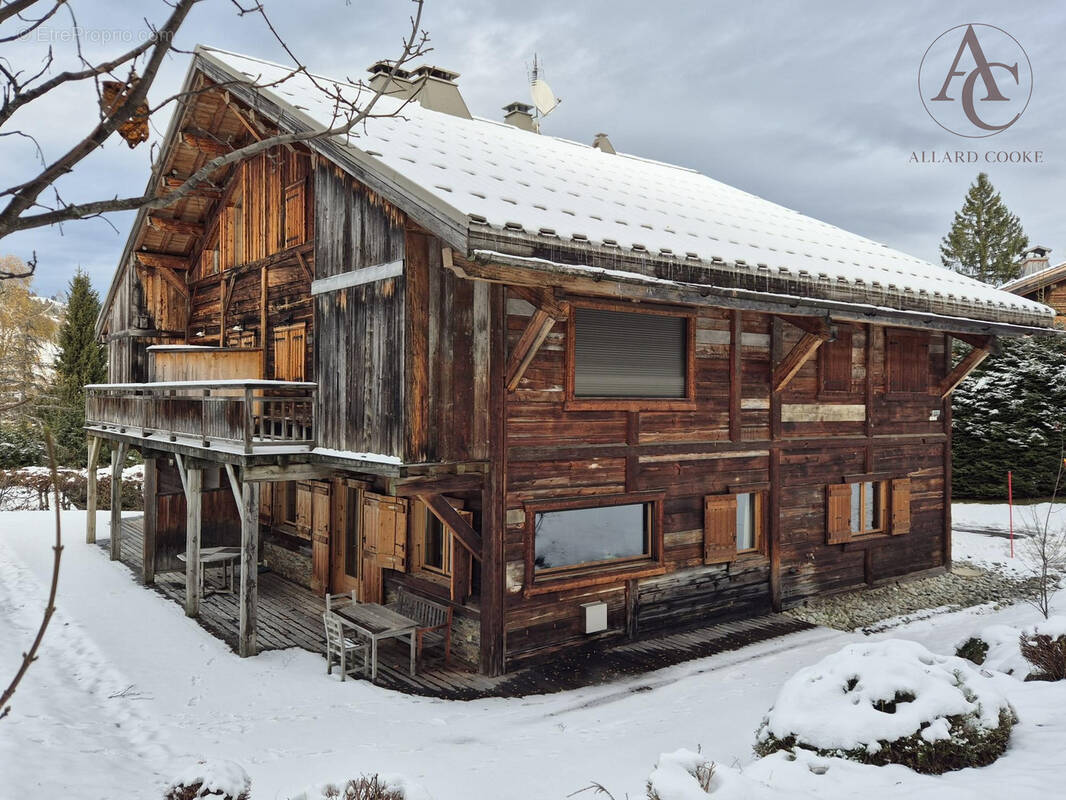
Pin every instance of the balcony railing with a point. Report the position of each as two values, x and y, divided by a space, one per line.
245 416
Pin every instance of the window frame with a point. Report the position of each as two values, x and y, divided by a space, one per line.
419 524
881 491
574 402
758 517
595 572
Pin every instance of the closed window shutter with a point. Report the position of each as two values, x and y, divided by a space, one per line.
901 506
838 513
907 354
281 355
625 354
835 363
295 225
719 529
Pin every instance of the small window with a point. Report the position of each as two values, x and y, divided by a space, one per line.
749 524
906 361
629 355
583 536
437 545
867 510
834 363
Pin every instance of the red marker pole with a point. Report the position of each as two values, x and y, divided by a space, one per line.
1010 506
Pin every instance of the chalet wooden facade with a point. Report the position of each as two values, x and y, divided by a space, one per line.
1041 281
578 396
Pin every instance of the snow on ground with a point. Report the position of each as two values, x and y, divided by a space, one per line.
129 693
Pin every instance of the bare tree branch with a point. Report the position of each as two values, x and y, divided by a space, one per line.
31 655
348 113
14 8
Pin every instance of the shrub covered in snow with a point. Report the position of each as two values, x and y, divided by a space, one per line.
218 780
1034 653
364 787
890 702
681 775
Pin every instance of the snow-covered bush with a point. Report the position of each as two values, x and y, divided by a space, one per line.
996 648
681 775
1034 653
1044 646
364 788
218 780
890 702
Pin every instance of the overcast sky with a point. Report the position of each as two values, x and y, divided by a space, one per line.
813 104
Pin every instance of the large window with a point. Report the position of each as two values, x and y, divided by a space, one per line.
619 356
572 537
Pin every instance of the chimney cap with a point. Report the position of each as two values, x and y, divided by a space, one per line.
384 67
602 143
440 73
519 106
1037 250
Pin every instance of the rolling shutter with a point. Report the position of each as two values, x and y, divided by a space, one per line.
625 354
838 513
901 506
719 529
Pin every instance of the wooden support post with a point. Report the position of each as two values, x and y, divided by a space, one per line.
95 444
796 358
962 370
118 460
735 372
463 533
249 568
494 495
537 330
263 343
194 482
151 517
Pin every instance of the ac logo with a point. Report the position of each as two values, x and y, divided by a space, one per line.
975 80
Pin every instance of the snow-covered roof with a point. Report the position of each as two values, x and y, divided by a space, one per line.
490 175
1036 280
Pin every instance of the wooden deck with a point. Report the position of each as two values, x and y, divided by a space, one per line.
291 616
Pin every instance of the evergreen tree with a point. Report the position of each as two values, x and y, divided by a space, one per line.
81 360
1008 416
985 239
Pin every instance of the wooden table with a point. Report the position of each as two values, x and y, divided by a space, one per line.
225 557
376 622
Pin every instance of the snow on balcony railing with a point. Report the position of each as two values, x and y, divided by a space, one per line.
247 416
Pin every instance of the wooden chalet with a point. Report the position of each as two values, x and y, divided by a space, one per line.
1041 281
580 397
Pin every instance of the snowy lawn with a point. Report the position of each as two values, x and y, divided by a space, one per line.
128 693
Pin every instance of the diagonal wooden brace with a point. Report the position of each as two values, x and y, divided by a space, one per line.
962 370
806 347
460 528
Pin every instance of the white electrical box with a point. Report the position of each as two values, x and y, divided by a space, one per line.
595 616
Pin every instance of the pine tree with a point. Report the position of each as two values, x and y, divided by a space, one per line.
1008 416
81 360
985 239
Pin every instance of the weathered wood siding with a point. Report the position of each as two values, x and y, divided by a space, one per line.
360 353
816 438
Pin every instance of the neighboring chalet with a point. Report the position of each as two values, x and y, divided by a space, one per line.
577 395
1041 282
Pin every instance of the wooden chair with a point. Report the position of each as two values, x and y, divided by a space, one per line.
341 649
342 599
434 621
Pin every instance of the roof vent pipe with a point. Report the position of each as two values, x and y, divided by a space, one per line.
601 142
437 90
521 116
399 86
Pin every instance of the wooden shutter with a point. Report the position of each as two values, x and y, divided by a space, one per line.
462 565
319 537
385 529
281 354
295 224
907 357
719 529
838 513
290 352
303 508
834 363
626 354
901 506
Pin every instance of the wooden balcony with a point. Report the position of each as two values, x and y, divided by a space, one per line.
236 416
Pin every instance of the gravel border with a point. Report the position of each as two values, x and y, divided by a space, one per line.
893 604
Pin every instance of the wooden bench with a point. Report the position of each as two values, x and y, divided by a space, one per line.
434 621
